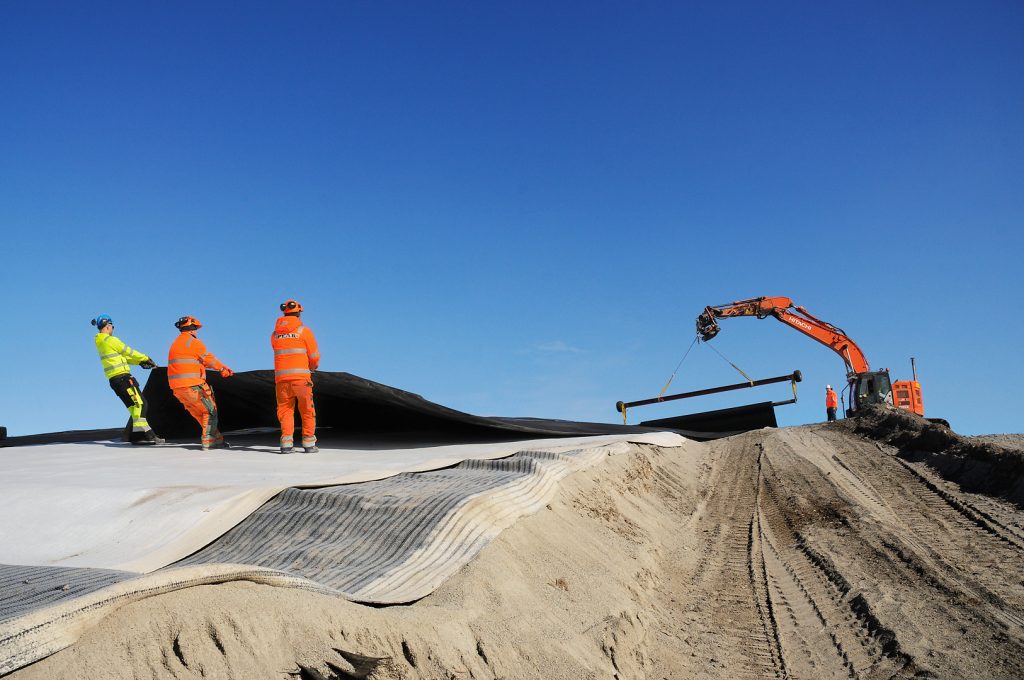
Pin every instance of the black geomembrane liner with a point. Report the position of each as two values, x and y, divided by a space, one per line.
348 406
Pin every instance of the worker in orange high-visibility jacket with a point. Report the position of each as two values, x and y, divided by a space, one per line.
831 403
187 362
296 356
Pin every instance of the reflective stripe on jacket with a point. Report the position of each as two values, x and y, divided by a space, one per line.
188 360
296 354
831 400
116 356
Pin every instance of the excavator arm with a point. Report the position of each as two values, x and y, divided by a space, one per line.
798 318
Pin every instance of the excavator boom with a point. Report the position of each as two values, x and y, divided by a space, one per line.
798 318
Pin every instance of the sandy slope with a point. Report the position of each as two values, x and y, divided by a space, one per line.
810 552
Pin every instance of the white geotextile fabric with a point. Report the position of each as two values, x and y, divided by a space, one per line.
436 529
110 506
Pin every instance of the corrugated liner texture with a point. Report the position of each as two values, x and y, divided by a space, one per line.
388 541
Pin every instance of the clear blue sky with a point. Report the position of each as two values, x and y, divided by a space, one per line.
516 208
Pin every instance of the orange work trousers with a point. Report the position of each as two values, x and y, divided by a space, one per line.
288 393
198 400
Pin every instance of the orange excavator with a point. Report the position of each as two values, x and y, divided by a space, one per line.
865 386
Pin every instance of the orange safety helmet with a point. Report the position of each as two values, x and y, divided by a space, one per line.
291 307
187 323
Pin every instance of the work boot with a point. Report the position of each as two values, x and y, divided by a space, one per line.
312 449
287 449
150 442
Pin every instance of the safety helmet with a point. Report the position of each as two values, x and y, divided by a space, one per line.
291 307
187 323
828 387
101 321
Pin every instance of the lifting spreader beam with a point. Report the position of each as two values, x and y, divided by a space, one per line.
793 377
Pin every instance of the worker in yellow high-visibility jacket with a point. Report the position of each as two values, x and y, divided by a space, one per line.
116 358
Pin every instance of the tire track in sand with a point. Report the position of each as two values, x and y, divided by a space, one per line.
944 576
969 548
834 631
826 557
782 608
732 575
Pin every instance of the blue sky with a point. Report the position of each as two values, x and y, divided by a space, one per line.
516 208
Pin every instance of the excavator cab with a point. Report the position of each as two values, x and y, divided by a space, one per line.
870 387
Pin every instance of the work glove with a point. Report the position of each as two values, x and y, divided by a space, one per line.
147 364
226 372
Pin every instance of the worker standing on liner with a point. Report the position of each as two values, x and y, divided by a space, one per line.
831 403
187 362
296 356
116 358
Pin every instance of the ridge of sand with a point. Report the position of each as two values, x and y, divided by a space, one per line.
807 552
552 583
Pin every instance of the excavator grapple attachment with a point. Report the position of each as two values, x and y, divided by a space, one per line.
707 327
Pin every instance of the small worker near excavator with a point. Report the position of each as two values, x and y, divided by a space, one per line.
187 362
116 358
831 403
296 356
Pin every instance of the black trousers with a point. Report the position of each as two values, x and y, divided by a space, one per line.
128 390
831 413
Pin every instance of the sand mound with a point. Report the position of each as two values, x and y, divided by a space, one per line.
809 552
565 593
